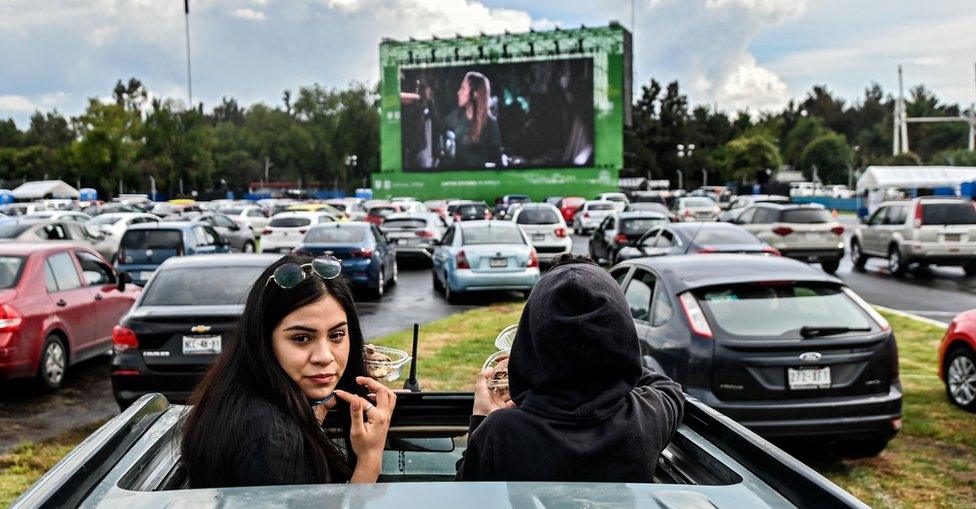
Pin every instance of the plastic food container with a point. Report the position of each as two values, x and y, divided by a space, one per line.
383 370
497 383
506 338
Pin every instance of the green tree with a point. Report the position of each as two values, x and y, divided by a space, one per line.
10 136
803 133
830 155
958 157
110 138
744 158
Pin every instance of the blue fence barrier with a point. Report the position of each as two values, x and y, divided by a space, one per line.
851 204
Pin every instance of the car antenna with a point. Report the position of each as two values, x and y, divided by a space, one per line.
692 239
412 384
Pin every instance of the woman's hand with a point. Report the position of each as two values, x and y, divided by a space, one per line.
486 400
369 427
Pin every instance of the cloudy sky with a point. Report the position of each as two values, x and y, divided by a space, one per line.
737 54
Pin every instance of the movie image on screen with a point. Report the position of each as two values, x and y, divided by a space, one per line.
497 116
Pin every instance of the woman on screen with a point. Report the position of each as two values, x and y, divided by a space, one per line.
475 128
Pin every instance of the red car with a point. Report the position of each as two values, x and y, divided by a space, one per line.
377 214
957 360
58 305
569 206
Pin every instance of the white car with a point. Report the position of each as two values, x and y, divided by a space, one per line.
546 229
696 208
54 215
838 191
619 200
410 206
286 230
248 215
591 214
113 225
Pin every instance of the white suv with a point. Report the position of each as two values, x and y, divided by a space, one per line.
591 214
804 232
546 229
929 230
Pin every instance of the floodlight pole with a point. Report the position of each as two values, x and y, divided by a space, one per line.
189 75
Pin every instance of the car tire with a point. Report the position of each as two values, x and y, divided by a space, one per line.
450 296
970 269
248 247
867 448
53 364
380 285
960 383
831 266
592 255
436 283
896 262
857 255
576 228
396 275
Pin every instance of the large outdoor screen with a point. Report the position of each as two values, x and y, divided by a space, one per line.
497 116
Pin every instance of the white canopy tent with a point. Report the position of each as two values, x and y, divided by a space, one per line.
914 177
41 189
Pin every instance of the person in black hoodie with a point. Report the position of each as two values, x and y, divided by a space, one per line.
583 409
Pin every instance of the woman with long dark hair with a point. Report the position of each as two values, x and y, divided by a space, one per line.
476 129
257 417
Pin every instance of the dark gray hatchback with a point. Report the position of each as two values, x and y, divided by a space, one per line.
784 349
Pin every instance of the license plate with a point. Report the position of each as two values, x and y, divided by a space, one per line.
813 236
144 276
498 262
808 378
538 237
953 237
201 345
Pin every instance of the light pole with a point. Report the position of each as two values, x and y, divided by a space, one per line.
704 177
152 187
684 150
681 179
189 79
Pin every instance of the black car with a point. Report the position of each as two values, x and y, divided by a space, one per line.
782 348
173 333
469 211
650 206
690 238
620 230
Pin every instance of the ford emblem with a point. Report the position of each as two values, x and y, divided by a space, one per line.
810 356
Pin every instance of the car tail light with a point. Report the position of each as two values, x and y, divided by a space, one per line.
425 234
124 338
772 250
873 313
586 215
266 231
487 214
10 318
620 238
687 213
462 260
918 214
696 318
533 259
560 232
706 250
783 230
126 372
837 230
361 253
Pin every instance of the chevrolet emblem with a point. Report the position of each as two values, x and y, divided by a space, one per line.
200 328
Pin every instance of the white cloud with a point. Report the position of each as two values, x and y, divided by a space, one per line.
753 87
248 14
16 104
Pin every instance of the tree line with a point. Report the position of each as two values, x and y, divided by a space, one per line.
330 136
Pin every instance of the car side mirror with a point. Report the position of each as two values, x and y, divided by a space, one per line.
123 279
235 227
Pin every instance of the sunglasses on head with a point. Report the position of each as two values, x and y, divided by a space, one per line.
290 274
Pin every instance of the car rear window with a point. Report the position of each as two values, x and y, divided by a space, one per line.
639 225
698 202
716 236
784 306
948 213
805 216
11 230
10 270
491 235
152 239
193 286
341 235
538 216
601 206
471 210
404 224
232 211
105 219
382 211
289 222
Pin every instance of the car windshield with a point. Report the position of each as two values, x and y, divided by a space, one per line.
698 202
601 206
805 216
382 211
496 234
784 306
105 220
189 286
10 270
537 216
404 224
948 213
713 236
471 210
11 230
639 225
337 235
289 222
232 211
152 239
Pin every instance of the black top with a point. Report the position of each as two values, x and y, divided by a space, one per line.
587 411
487 148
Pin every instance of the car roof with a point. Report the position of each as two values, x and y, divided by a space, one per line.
301 213
220 260
487 222
693 226
640 213
347 224
428 216
789 206
166 225
29 248
700 270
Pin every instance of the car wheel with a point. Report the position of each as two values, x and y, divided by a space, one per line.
576 228
450 296
380 286
961 378
248 247
438 287
970 269
896 264
54 363
396 275
857 256
589 251
831 266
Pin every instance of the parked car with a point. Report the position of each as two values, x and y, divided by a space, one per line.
546 229
696 208
240 238
287 229
620 230
177 327
59 304
739 203
568 207
662 196
838 191
41 230
804 232
957 361
484 255
339 215
368 260
782 348
648 206
590 215
438 207
711 461
671 239
414 235
254 216
501 208
378 213
469 211
932 230
144 247
113 225
352 207
113 208
619 200
57 215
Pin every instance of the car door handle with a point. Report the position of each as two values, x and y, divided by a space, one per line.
98 296
61 303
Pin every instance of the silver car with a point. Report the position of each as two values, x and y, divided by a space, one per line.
591 214
696 208
803 232
240 238
414 234
930 230
739 204
546 229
